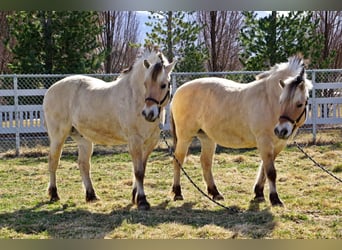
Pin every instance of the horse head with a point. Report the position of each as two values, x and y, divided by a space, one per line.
293 101
157 84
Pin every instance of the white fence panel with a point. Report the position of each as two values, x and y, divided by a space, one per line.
21 112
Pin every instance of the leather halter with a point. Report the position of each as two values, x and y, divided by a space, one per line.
295 122
160 103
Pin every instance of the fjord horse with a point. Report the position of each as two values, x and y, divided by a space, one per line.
263 114
125 111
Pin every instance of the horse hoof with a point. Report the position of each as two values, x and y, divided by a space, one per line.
144 206
259 199
275 201
54 199
53 194
277 204
218 197
178 198
91 197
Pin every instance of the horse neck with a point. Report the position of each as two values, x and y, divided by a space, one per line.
273 90
135 81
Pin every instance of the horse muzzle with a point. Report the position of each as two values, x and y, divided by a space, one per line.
284 130
150 113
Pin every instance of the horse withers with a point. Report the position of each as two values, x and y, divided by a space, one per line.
263 114
125 111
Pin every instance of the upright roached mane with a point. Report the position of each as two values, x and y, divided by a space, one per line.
262 114
109 113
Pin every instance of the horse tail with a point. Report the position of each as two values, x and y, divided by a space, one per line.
173 130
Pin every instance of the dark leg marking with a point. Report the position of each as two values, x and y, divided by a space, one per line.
53 194
177 192
275 201
259 193
215 193
134 193
142 202
91 196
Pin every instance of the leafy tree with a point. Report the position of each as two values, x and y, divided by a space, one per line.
120 34
220 35
55 42
177 36
272 39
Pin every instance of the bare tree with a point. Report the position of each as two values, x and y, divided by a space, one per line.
330 26
119 35
5 55
220 35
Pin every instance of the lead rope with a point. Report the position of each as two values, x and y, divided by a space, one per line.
171 153
316 163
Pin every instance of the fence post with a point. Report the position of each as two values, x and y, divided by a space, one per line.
314 107
17 118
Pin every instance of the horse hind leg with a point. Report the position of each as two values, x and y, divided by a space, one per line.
208 147
85 151
54 157
57 139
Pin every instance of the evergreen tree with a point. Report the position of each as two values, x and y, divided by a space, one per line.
272 39
55 42
177 37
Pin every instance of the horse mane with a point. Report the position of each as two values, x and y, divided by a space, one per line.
154 56
284 70
297 66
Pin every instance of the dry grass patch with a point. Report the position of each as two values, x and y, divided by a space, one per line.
312 198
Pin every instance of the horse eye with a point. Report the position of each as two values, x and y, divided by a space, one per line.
163 86
300 105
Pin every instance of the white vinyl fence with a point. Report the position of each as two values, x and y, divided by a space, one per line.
22 119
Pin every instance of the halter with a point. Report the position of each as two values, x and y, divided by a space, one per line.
295 122
160 103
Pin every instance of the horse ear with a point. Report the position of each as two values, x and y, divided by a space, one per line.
282 84
170 67
146 64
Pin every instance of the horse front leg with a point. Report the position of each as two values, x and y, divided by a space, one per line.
181 149
139 166
259 184
208 147
268 155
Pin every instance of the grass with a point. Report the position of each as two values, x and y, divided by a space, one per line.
313 200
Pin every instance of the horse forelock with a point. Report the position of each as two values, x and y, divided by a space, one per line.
296 76
157 69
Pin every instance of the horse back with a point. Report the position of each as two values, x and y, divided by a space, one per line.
228 112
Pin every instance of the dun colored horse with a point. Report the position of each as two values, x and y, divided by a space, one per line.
263 114
110 113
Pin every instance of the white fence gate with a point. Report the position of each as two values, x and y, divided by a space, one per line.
21 97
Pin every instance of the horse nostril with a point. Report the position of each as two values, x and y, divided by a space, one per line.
283 132
276 131
143 113
150 116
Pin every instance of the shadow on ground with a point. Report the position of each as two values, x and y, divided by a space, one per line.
65 221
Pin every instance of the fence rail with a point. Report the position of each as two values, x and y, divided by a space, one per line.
22 118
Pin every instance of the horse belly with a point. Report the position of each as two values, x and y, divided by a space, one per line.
233 138
101 134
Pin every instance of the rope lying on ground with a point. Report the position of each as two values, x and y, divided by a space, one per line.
171 153
316 163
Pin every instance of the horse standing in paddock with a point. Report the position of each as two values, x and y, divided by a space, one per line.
110 113
263 114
